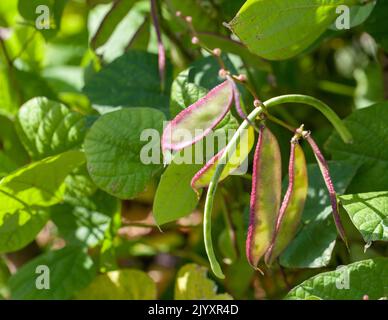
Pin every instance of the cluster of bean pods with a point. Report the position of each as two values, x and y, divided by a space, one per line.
273 223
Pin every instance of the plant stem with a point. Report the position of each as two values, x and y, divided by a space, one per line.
213 188
317 104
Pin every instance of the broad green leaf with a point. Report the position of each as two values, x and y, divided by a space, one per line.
376 24
80 225
47 127
369 129
184 93
351 282
19 227
118 11
40 183
281 29
132 80
369 213
314 243
126 284
70 270
87 212
174 197
115 147
192 284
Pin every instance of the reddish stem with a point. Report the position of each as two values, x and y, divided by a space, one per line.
161 49
329 184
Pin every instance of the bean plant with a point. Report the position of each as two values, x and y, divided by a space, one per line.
197 149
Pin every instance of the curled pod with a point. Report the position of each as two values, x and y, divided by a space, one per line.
198 120
291 210
329 185
265 196
235 159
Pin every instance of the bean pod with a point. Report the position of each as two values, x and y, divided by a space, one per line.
265 196
198 120
329 185
291 210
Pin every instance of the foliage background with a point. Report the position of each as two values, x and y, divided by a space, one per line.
97 232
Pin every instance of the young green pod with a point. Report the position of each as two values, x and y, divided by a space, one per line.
245 144
329 185
291 210
265 196
199 119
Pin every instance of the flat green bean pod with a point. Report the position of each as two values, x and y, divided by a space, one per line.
291 210
265 196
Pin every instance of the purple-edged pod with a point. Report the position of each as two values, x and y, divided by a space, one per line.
291 210
236 159
237 99
198 120
265 196
329 185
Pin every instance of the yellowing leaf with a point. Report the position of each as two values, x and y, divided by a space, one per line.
192 284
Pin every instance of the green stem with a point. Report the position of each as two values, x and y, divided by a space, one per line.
215 266
317 104
322 107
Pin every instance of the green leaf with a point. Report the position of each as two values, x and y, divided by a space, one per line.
131 80
369 129
281 29
184 93
314 243
118 11
358 15
376 24
25 191
351 282
170 206
120 285
87 212
80 225
368 212
192 284
40 183
27 9
20 227
47 127
113 150
70 270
